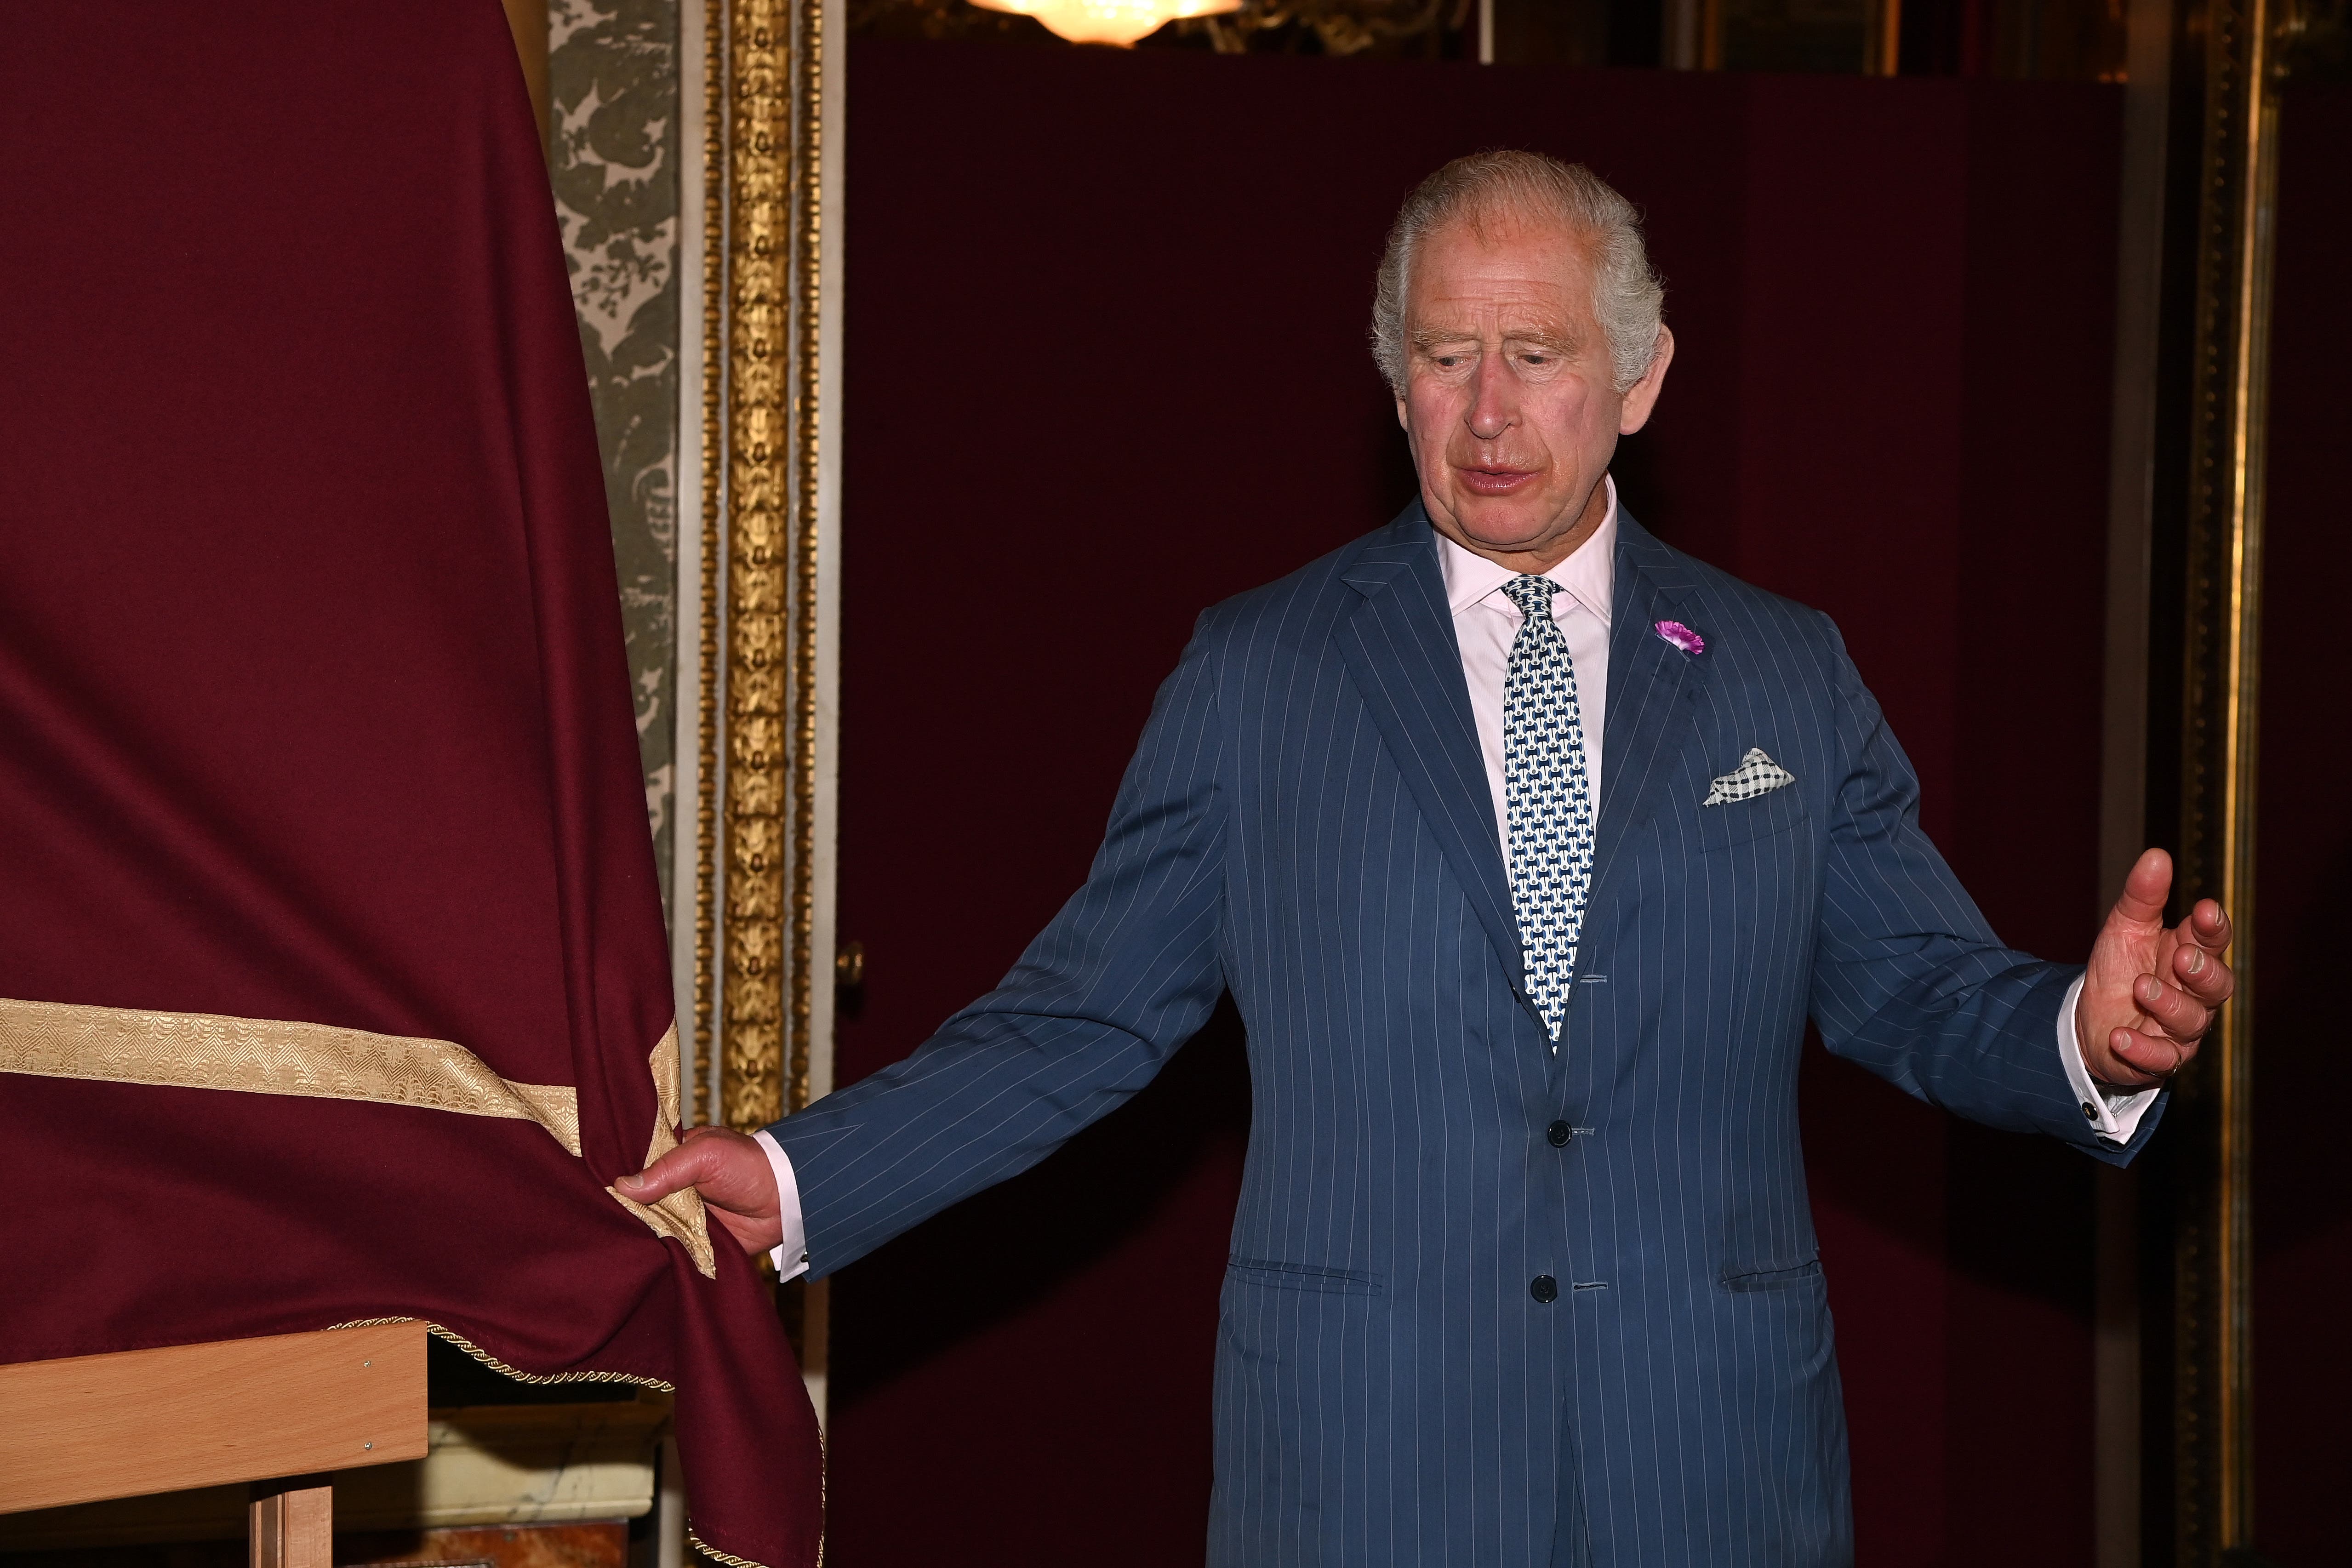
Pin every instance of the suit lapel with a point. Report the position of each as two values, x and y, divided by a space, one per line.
1654 690
1400 647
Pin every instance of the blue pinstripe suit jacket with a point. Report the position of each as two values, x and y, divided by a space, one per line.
1307 822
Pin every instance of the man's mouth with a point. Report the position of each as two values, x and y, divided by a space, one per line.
1495 481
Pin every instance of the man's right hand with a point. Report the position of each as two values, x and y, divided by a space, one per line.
732 1174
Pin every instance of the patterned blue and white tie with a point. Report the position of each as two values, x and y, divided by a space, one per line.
1547 800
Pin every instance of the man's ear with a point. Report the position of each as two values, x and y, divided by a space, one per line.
1402 424
1643 395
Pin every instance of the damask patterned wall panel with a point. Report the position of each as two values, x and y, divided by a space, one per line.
612 72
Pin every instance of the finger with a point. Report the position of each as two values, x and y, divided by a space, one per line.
2201 973
731 1173
2146 887
2208 925
2180 1016
683 1166
2145 1059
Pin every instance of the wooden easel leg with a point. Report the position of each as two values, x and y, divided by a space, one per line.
291 1524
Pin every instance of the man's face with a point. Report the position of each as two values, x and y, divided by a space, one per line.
1507 402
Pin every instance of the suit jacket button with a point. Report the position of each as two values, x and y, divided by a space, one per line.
1545 1289
1558 1134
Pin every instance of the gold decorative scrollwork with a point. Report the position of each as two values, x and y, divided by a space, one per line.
757 781
714 348
755 909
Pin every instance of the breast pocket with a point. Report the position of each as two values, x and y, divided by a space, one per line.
1744 821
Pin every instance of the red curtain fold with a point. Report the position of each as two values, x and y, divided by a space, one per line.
313 707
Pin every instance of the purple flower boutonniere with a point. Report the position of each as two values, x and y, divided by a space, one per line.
1682 637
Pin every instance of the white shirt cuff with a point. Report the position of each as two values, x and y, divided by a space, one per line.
795 1246
2113 1113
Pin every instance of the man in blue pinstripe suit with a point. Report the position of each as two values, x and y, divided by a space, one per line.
1527 846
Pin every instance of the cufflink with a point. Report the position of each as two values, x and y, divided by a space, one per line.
2088 1114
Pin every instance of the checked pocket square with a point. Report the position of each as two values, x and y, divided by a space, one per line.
1756 775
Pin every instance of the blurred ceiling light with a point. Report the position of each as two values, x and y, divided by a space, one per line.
1120 22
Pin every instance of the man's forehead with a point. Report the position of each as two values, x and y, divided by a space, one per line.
1532 303
1473 318
1527 268
1507 237
1506 225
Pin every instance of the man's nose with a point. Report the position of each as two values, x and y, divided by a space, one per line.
1493 409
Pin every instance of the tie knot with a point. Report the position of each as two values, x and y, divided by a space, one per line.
1532 595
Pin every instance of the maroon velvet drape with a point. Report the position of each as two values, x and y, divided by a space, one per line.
313 707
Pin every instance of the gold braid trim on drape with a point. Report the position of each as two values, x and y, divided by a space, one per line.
728 1558
680 1214
452 1337
321 1062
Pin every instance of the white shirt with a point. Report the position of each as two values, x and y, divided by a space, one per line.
1486 622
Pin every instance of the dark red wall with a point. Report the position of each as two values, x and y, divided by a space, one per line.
1105 365
2303 1208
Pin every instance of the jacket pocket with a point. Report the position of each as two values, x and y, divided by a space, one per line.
1743 821
1773 1279
1304 1277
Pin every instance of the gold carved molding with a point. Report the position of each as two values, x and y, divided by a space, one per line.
706 771
2237 166
756 807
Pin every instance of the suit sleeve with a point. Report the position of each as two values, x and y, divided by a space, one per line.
1125 974
1908 979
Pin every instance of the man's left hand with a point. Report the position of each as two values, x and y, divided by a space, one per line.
2152 989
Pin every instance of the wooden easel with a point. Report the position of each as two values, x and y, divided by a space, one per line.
282 1412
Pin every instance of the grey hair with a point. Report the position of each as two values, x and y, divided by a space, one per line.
1628 297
